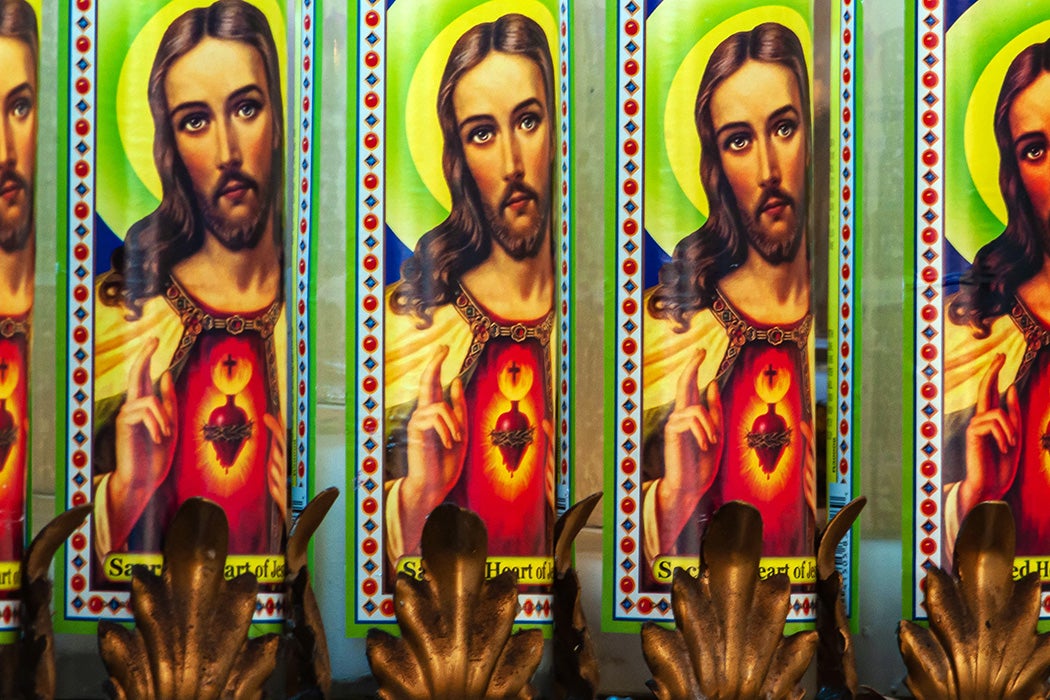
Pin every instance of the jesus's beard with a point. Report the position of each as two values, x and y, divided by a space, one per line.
519 246
239 235
774 250
15 235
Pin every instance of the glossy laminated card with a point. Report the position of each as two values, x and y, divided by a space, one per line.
19 97
459 309
709 329
977 295
184 282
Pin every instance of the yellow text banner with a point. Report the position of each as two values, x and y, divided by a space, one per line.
532 571
10 575
268 568
799 570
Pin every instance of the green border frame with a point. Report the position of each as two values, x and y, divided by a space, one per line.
350 416
858 290
570 40
608 621
908 444
63 625
317 98
353 133
909 477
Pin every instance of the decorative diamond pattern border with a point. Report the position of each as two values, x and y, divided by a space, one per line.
631 603
929 227
840 492
83 600
303 397
370 603
10 615
563 488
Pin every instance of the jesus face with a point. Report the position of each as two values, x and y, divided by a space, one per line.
224 133
502 118
1030 135
17 143
761 139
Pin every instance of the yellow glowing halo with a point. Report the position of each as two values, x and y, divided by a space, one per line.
230 370
515 373
133 116
982 153
679 130
425 142
10 370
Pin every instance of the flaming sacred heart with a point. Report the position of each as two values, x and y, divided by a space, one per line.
512 433
9 375
228 426
227 429
770 433
8 433
768 437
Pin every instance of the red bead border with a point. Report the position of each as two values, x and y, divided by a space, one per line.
631 602
369 603
301 456
81 600
841 398
929 232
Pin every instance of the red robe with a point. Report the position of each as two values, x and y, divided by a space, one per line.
14 365
221 451
764 376
507 489
507 384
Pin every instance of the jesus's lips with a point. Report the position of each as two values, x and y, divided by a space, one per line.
518 203
235 187
518 197
11 187
774 203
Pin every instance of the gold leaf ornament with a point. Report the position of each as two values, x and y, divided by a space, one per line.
27 667
728 639
576 673
836 656
982 642
456 641
190 638
308 663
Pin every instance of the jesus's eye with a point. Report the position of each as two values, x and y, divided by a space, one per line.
1033 152
193 122
22 107
736 142
249 109
529 122
480 135
785 129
